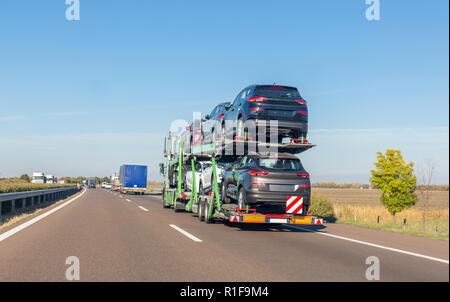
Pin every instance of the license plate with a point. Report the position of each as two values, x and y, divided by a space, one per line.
282 188
279 113
278 220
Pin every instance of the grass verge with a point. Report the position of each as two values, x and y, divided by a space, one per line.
407 222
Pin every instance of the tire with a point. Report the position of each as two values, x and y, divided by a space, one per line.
201 208
206 207
242 204
165 206
223 196
200 190
175 203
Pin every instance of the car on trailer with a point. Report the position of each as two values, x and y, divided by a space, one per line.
263 103
266 180
211 128
204 176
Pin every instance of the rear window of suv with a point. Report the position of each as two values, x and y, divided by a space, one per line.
280 164
277 92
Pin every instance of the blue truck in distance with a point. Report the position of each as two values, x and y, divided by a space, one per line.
133 179
91 183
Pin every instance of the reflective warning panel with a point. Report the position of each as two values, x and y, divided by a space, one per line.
301 220
294 205
234 219
255 218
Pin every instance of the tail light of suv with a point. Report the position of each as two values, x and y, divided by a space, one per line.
301 102
257 173
256 99
303 175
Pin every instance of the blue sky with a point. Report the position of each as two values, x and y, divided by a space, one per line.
83 97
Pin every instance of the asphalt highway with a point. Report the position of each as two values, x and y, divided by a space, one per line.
132 238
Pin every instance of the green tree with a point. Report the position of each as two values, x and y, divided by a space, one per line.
395 178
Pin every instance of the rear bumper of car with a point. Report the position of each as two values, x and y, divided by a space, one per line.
285 126
273 198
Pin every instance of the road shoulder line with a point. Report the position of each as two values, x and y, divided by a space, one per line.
143 209
372 244
185 233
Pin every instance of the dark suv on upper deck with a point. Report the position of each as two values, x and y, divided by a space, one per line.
262 103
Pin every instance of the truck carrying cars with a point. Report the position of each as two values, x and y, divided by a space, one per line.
133 179
253 186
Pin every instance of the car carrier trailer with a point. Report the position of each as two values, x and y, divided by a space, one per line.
209 207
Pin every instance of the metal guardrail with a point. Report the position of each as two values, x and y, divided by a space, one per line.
10 202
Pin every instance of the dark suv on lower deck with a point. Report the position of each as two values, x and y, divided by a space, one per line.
262 103
265 180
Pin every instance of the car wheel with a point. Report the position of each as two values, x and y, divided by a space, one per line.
175 205
165 206
241 199
200 189
223 195
201 207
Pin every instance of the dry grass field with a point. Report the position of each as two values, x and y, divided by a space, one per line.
363 207
154 186
439 199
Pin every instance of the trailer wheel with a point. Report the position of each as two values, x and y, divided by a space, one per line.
201 207
206 207
241 199
175 203
223 195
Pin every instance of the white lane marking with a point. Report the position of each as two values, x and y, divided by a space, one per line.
128 200
36 219
142 208
372 244
185 233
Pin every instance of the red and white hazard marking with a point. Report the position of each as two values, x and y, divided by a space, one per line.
234 219
294 205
